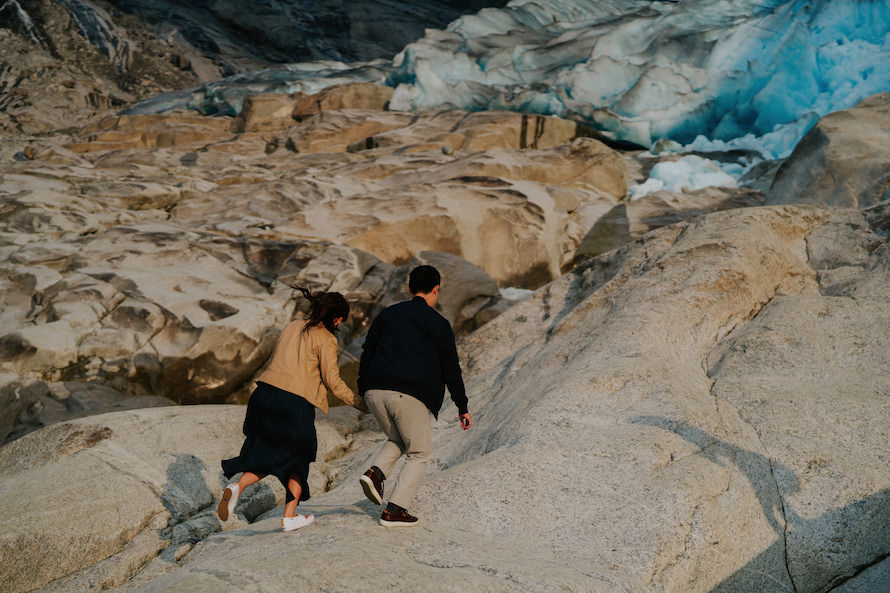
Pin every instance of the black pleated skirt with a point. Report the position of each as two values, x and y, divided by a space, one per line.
280 438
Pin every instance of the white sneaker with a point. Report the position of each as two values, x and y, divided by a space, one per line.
295 522
227 503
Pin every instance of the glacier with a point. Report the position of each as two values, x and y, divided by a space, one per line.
708 75
751 74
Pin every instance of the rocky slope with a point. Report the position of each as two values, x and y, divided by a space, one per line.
695 407
329 190
701 410
156 254
147 480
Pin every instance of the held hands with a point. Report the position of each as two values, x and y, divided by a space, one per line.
465 421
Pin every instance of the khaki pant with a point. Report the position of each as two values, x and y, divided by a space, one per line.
407 423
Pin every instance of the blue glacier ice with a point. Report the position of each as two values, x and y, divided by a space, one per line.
753 74
707 74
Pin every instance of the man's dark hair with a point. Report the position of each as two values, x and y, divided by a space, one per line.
423 279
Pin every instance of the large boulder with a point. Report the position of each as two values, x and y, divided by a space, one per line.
265 112
843 161
629 220
360 95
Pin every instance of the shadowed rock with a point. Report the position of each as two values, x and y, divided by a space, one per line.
630 220
843 161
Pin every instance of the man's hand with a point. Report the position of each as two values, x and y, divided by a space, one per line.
465 421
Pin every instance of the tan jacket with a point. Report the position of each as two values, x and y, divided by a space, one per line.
305 363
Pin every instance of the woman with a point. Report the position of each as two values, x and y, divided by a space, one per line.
280 421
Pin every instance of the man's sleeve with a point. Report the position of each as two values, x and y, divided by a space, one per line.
451 372
367 353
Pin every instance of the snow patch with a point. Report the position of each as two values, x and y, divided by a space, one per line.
686 174
516 294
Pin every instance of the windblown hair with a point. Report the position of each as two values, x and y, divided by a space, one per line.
324 308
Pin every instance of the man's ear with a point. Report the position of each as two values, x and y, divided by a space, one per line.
409 289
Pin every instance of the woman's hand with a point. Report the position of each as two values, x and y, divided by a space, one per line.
465 421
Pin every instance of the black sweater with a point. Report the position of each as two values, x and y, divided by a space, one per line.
410 349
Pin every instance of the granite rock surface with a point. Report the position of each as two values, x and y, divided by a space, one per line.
703 409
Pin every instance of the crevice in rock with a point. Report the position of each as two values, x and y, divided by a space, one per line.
730 329
784 518
709 371
775 482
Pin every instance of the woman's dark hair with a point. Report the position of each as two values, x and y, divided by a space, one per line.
324 308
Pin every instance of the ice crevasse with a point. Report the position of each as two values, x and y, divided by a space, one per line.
711 74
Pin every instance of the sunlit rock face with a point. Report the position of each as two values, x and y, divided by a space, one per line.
511 193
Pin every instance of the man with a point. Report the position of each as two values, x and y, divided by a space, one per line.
408 358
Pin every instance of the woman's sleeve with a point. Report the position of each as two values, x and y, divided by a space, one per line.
330 373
